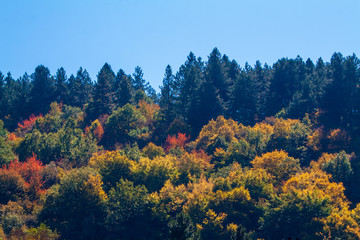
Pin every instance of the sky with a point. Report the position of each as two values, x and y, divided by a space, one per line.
153 34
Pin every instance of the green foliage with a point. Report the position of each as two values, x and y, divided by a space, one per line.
76 206
125 125
182 228
296 214
198 175
68 143
129 215
339 168
6 153
41 233
112 166
151 151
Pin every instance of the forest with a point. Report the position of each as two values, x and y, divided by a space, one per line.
223 151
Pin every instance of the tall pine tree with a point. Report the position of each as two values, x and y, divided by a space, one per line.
42 93
103 99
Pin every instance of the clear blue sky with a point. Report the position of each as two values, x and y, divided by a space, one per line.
154 33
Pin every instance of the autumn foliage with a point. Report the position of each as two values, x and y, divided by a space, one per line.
27 124
178 141
31 173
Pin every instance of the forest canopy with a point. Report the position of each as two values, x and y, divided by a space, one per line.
221 152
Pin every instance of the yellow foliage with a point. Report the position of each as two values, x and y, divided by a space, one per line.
236 194
199 196
341 224
101 160
278 164
214 219
148 110
265 129
154 173
257 181
228 129
313 140
170 198
282 127
152 151
194 163
325 157
319 181
94 185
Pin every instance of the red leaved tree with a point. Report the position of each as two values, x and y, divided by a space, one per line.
178 141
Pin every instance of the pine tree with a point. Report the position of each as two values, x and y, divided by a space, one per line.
103 99
243 99
42 93
167 95
187 82
334 101
2 89
22 103
61 88
139 81
217 75
123 89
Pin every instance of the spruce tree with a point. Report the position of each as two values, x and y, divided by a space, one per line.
103 99
167 95
123 89
61 88
139 81
42 93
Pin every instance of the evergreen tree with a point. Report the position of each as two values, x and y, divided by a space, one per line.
80 88
22 103
187 82
334 101
123 89
61 88
167 95
103 99
139 81
216 75
42 93
286 80
261 84
9 97
242 103
205 106
83 77
2 90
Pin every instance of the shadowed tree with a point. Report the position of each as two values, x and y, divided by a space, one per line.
167 98
103 99
123 89
42 93
61 87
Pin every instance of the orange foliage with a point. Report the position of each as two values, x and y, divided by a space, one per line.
95 129
31 171
98 132
338 139
28 123
148 110
175 142
313 140
11 137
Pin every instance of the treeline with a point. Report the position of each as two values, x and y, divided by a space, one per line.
223 152
199 91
